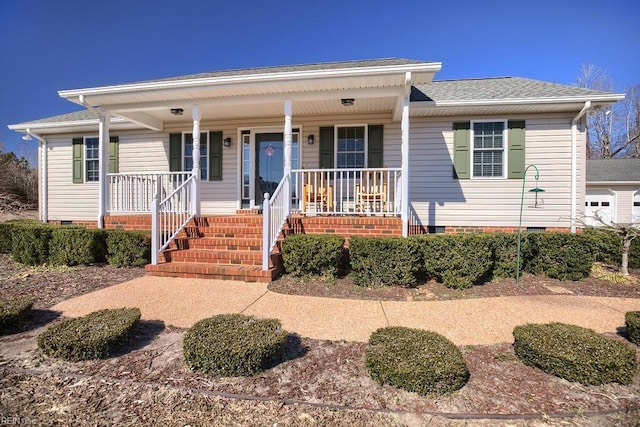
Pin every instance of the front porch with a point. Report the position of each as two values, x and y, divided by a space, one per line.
245 246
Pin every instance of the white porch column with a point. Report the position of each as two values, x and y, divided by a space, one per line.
405 155
103 165
196 160
287 151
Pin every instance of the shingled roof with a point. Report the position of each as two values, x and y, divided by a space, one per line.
320 66
613 170
496 88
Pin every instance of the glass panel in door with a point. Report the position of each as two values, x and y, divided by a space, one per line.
269 164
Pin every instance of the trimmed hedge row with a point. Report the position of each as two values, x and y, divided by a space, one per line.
13 311
304 254
608 247
457 261
94 336
234 345
389 261
416 360
34 243
574 353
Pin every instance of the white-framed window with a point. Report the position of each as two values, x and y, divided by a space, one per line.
351 147
91 159
187 150
488 143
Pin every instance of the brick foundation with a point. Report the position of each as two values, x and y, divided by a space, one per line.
346 226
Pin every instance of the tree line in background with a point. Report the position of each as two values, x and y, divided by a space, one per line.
18 183
612 131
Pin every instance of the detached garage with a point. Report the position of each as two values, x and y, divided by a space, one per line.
612 191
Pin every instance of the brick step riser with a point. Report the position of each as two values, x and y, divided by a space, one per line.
248 274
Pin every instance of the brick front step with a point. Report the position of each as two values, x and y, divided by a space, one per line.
219 257
212 271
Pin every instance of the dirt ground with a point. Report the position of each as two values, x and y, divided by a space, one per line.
319 383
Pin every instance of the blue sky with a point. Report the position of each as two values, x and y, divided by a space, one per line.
48 45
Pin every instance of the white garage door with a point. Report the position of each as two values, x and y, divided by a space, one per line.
600 203
636 207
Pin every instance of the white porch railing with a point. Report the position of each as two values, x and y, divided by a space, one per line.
275 211
170 215
133 192
369 191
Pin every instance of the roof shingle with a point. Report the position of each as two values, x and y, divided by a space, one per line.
611 170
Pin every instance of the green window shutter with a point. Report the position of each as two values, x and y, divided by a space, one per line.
326 147
113 154
78 147
461 150
175 152
516 149
375 150
215 156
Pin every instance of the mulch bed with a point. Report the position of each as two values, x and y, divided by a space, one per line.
147 383
431 290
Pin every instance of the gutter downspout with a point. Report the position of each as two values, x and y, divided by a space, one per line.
44 187
574 164
103 131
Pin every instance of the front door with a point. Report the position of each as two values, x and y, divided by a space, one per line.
269 170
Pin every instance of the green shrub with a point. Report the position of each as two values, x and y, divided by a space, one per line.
234 345
13 311
607 246
94 336
574 353
632 322
384 261
30 243
634 253
304 254
420 361
457 261
505 253
72 246
6 243
561 256
128 248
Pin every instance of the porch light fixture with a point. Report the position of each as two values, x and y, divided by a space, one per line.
27 137
311 139
227 142
177 111
347 102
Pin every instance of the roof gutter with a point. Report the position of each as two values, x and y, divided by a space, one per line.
574 164
44 186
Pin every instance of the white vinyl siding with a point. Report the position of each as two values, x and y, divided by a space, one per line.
439 199
436 198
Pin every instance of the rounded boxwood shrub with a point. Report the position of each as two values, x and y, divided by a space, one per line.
415 360
315 254
77 245
632 322
574 353
384 261
128 248
94 336
13 311
30 243
561 256
458 261
234 345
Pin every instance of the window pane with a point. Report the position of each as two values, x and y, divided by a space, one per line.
350 147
